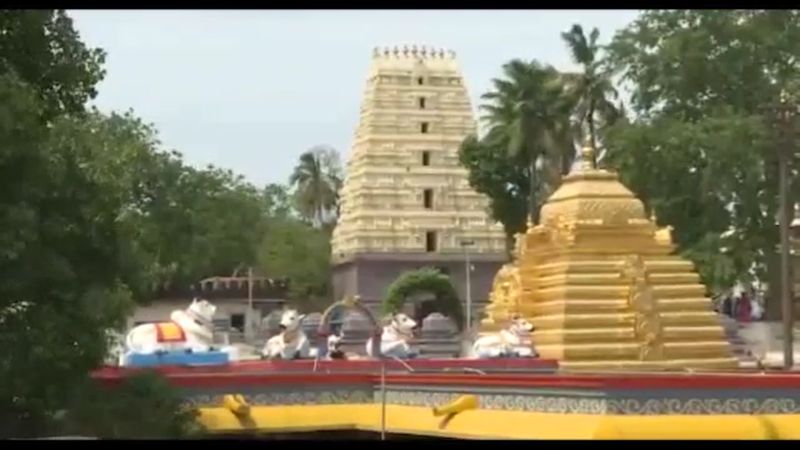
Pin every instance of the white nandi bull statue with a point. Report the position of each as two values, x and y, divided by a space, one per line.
292 342
514 341
398 333
191 330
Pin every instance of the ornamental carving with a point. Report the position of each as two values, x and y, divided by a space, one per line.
644 305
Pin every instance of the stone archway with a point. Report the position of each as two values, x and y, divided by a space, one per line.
353 302
423 308
430 281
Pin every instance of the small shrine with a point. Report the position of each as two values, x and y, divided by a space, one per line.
603 287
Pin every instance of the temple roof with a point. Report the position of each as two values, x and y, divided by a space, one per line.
589 194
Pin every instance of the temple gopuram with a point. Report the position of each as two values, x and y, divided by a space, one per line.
406 202
602 286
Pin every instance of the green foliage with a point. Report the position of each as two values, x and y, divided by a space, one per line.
316 180
651 157
175 224
425 280
301 253
223 223
43 49
277 201
60 254
142 406
528 112
698 149
686 62
593 88
503 179
93 215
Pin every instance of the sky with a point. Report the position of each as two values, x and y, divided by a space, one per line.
251 90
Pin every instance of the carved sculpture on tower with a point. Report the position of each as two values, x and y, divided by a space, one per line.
602 286
406 201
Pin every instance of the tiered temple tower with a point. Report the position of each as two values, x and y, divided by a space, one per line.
603 287
406 202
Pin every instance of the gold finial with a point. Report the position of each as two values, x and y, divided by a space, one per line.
653 217
587 154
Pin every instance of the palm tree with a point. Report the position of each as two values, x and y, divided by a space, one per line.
528 112
593 88
316 181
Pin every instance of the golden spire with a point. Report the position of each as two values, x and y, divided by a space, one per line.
653 217
587 154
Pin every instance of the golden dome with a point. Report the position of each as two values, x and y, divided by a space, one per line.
592 195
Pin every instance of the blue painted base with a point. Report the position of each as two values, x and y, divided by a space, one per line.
176 358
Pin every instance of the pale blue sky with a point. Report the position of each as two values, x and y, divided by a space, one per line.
251 90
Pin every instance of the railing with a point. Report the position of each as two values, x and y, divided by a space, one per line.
274 289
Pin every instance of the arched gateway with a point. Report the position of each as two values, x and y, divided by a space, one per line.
351 302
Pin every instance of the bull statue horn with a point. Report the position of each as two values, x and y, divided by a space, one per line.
236 404
459 405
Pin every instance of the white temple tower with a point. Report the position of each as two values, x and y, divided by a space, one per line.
406 202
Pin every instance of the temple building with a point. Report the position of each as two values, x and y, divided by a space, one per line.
603 287
406 202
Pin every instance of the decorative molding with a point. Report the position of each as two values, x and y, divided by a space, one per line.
549 404
298 397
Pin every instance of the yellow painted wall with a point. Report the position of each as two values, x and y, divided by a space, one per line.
495 424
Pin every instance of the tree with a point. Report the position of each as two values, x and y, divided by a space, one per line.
75 186
593 88
277 201
715 171
295 250
503 179
44 50
425 280
316 181
528 112
141 406
60 255
699 80
177 224
226 219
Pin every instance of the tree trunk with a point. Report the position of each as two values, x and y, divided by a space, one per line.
510 245
590 122
532 210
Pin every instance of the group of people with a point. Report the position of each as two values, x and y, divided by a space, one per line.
741 305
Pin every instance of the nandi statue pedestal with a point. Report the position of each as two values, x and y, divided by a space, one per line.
187 339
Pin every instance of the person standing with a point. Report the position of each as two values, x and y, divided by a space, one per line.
727 306
744 309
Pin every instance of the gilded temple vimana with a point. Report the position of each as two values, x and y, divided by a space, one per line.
602 286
